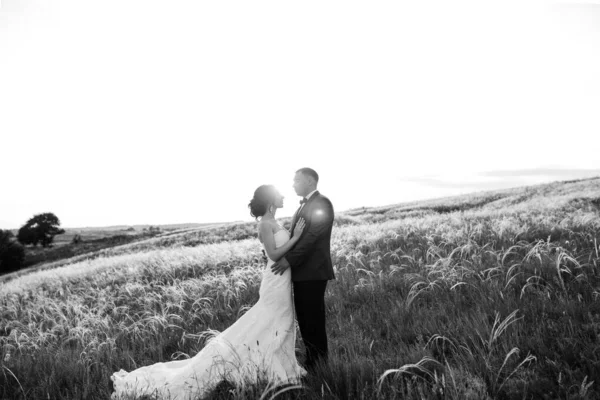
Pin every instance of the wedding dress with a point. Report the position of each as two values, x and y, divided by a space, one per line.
259 345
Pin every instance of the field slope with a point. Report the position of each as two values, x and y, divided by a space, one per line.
489 295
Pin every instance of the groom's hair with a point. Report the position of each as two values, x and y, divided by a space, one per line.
309 172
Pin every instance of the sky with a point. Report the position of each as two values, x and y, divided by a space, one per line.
146 112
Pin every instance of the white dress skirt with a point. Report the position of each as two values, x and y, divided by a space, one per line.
258 346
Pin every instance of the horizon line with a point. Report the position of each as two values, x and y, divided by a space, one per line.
423 180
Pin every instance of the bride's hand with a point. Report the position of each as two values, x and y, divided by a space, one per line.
299 227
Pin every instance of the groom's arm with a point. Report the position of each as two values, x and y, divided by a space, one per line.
318 224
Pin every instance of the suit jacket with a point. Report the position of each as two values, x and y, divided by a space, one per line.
310 258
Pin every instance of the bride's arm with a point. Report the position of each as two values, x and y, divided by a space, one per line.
268 239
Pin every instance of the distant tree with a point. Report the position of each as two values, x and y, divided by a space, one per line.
12 253
154 229
76 239
41 228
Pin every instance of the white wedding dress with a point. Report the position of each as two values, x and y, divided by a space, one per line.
259 345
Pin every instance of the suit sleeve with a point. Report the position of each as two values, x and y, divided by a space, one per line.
317 225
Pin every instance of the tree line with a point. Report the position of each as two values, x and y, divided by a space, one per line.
39 229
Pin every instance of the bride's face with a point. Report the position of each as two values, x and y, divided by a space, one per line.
278 200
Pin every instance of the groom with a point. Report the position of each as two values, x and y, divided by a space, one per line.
310 260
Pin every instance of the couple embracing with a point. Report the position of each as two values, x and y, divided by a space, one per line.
260 345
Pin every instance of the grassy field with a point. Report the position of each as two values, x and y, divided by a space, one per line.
92 243
491 295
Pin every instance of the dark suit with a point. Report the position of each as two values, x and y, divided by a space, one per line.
311 265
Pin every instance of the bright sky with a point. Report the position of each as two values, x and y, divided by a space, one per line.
147 112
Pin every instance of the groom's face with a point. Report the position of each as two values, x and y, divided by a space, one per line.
301 184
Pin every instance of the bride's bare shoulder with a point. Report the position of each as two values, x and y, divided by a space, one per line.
263 224
264 227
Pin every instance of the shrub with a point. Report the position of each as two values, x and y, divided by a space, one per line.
12 254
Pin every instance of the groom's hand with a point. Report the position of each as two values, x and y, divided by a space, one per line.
280 266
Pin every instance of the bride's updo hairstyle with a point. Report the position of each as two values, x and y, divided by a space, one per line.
264 196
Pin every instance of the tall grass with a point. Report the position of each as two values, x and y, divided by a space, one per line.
497 298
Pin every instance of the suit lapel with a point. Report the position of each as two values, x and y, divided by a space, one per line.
315 194
294 218
302 212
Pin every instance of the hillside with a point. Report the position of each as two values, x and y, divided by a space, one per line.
488 295
92 240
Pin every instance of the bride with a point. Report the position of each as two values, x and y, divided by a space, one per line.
259 345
